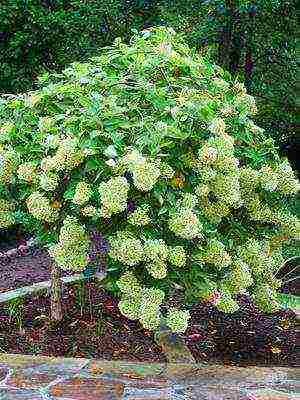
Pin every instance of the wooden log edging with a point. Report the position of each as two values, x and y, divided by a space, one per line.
40 286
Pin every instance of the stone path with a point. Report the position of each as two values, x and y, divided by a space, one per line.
45 378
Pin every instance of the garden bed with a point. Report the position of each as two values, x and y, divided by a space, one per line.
94 328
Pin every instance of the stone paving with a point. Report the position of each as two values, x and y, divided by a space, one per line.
44 378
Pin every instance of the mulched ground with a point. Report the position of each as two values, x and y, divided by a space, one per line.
248 337
25 270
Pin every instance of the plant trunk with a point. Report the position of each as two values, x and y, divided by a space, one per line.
56 291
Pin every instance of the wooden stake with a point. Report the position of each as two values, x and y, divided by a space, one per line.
56 293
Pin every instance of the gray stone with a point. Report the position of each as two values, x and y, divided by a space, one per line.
19 394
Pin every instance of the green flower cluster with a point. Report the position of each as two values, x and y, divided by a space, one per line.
67 157
39 206
226 189
113 195
145 175
166 171
177 320
48 181
27 172
9 161
140 216
287 181
185 224
215 253
82 193
177 256
126 249
71 252
265 298
156 254
227 303
5 131
140 303
214 211
239 278
89 211
6 214
217 126
281 179
143 304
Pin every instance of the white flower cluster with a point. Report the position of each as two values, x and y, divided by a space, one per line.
71 252
82 193
126 249
48 181
6 214
185 224
113 195
39 206
265 298
215 253
67 157
9 161
156 254
140 216
177 256
27 172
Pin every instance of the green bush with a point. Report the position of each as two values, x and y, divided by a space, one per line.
147 155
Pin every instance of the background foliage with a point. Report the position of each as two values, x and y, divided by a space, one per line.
254 40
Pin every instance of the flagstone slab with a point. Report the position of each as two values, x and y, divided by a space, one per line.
151 394
80 388
215 375
25 379
125 371
3 373
268 394
44 363
17 394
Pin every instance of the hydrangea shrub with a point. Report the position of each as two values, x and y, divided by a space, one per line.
146 159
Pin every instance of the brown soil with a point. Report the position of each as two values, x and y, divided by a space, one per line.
92 328
24 270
